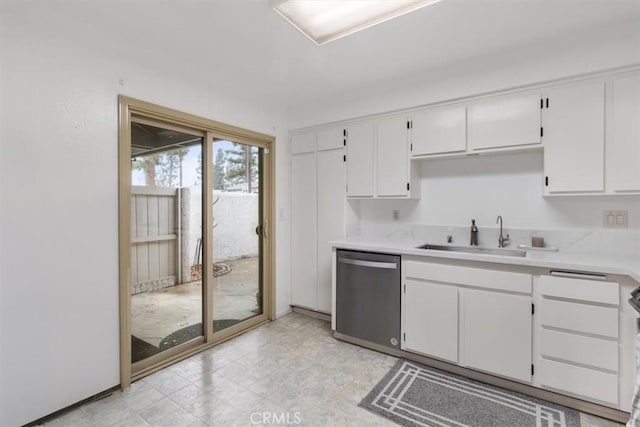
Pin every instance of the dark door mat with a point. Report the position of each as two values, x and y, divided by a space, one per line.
141 349
193 331
415 395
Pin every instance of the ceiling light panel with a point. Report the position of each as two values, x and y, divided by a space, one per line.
326 20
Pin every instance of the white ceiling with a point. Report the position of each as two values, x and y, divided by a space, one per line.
244 46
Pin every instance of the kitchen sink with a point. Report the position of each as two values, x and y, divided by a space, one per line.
475 250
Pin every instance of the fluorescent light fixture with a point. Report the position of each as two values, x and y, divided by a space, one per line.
327 20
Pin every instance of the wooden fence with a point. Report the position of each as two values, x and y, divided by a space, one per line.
155 240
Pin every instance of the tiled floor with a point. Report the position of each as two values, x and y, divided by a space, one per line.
290 367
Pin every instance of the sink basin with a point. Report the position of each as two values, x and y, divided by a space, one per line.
475 250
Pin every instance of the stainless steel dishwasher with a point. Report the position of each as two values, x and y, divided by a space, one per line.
368 297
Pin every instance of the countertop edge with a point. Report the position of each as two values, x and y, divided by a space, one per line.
401 249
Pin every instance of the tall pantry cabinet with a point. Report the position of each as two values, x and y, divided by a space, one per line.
318 197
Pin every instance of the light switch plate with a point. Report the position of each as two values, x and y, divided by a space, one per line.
615 219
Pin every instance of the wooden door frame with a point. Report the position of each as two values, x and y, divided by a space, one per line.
177 120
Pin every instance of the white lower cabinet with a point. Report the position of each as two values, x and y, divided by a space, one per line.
431 319
579 337
496 333
330 216
303 229
478 318
563 332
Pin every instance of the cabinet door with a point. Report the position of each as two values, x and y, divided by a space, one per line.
303 143
331 139
496 333
331 204
392 171
303 230
623 148
574 139
431 319
504 121
360 160
439 130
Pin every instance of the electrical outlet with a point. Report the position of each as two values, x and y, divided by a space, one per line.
615 219
396 214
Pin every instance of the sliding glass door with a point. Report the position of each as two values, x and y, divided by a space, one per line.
196 264
166 236
237 233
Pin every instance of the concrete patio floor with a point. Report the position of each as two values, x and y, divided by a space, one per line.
157 314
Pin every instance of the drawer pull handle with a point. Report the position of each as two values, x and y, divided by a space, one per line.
569 274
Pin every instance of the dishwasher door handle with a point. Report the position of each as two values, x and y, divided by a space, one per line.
372 264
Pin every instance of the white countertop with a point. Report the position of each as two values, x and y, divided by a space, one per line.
584 262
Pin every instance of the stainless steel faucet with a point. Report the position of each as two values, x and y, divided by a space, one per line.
501 239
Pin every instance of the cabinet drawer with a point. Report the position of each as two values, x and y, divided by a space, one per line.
577 380
580 289
589 351
580 317
478 277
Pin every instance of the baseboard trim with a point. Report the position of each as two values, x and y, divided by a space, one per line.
99 396
311 313
570 402
283 313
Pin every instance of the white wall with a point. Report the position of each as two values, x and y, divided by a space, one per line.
235 217
456 190
615 46
58 177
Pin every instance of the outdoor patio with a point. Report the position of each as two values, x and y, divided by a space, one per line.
157 314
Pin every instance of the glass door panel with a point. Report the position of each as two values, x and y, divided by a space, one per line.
166 240
237 233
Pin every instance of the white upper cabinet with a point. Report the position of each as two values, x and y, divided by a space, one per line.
574 139
392 160
504 121
623 144
360 148
303 143
439 130
330 139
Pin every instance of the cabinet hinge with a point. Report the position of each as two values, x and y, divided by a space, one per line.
344 158
344 142
547 102
344 133
546 181
404 336
408 186
411 148
408 125
405 288
533 309
541 104
541 131
533 369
